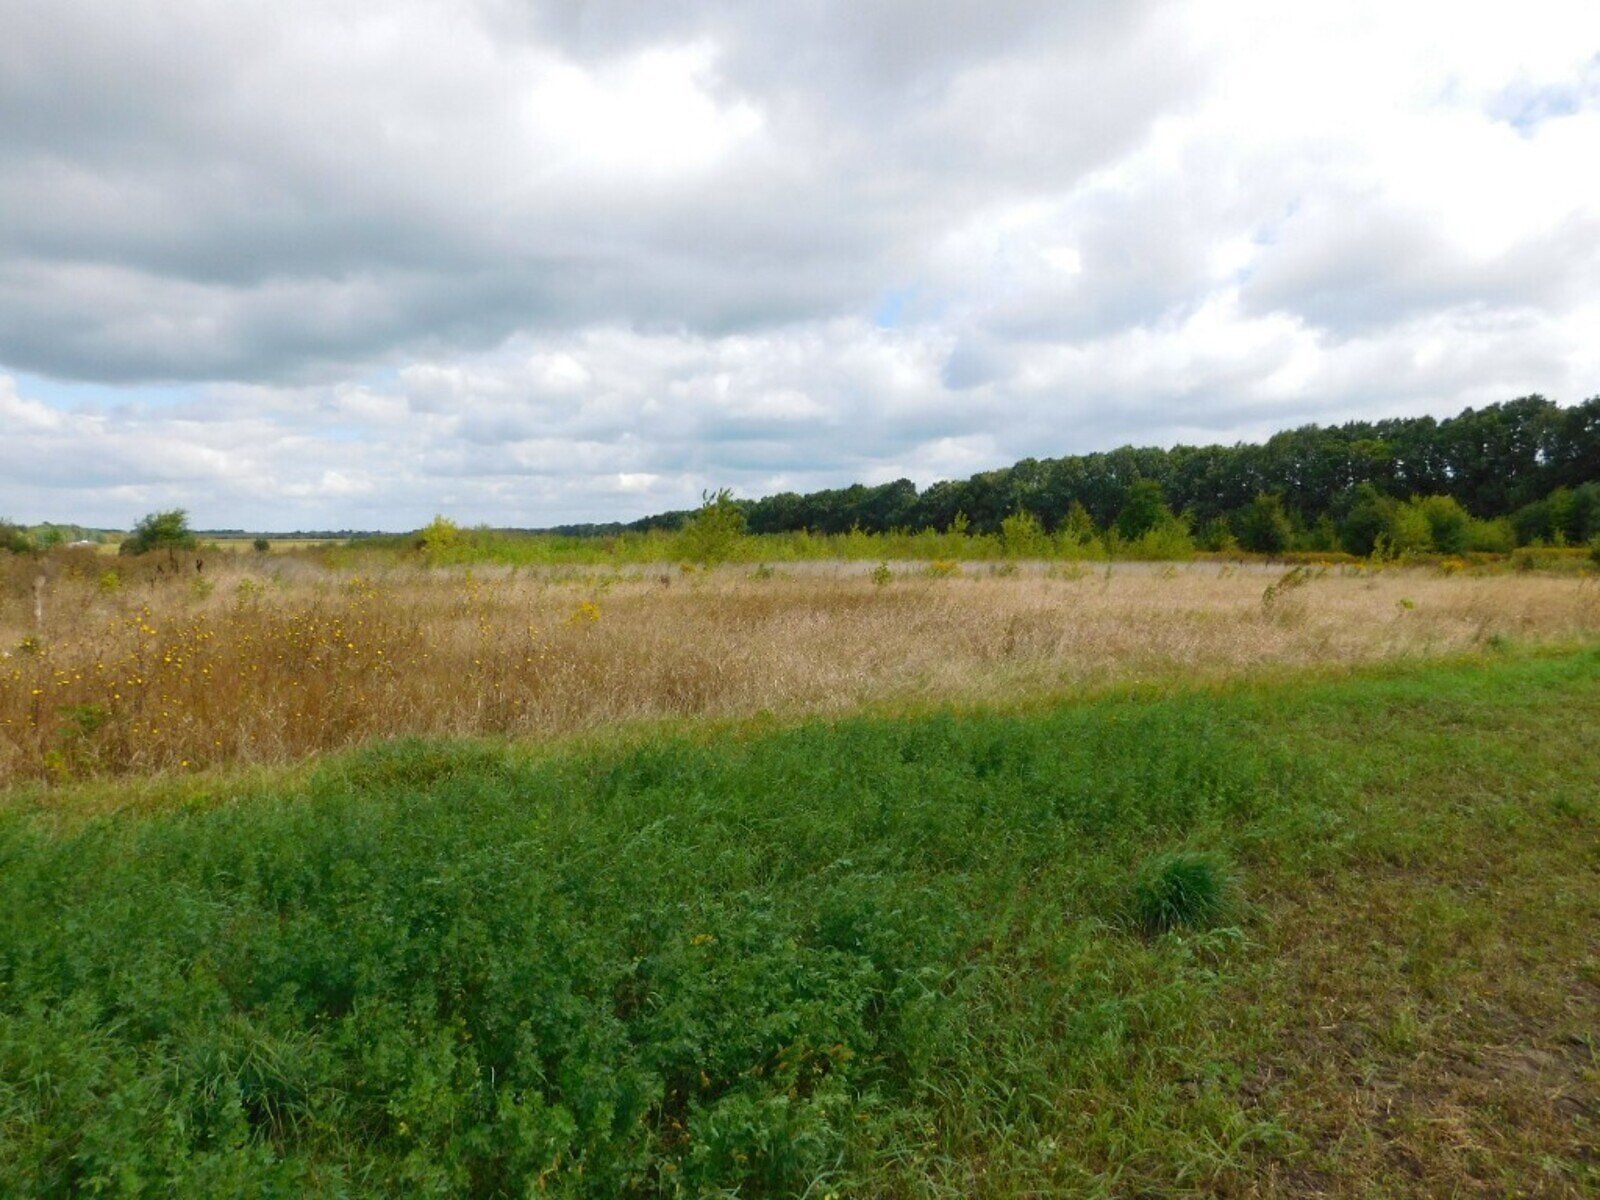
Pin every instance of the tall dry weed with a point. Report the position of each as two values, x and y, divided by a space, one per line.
273 662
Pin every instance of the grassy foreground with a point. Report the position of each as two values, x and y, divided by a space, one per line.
878 957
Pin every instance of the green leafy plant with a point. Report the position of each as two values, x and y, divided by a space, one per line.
1264 526
715 529
167 530
1022 536
437 538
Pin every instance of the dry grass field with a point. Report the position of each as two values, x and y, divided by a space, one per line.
271 659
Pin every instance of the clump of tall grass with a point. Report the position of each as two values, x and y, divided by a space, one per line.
1183 889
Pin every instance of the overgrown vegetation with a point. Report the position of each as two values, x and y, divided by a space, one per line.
880 957
14 539
269 658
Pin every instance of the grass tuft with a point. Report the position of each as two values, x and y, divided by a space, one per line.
1182 890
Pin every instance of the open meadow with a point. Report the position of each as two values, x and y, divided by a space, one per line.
267 659
929 880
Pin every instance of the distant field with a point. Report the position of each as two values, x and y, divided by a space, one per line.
919 956
147 666
247 544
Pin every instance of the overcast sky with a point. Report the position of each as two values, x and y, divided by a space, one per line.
349 264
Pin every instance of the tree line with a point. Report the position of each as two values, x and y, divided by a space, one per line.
1522 472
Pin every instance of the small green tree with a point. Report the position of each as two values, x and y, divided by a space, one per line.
438 537
1077 527
1022 536
1145 510
261 545
1407 533
714 530
1449 525
1264 527
1366 521
160 531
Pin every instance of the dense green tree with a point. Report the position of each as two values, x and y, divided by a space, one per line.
1584 515
167 530
1146 509
1366 520
1264 527
1534 523
1449 525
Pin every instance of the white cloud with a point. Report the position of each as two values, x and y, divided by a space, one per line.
582 260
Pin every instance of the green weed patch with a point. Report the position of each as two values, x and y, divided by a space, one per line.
874 957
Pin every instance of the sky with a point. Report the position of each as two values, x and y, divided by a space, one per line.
349 264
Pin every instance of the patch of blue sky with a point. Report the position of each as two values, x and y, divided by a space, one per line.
891 310
1526 106
66 394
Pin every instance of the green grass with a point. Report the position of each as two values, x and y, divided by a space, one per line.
884 956
1173 891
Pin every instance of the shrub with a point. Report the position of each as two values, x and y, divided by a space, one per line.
1076 528
261 545
1594 550
1449 525
438 537
1491 537
1023 537
1366 521
1166 542
715 529
881 574
1145 510
159 531
1264 527
1532 523
14 539
1215 536
1181 889
1408 531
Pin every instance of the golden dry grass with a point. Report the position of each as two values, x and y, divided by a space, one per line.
267 661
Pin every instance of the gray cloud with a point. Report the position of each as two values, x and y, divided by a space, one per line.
1353 264
194 192
537 262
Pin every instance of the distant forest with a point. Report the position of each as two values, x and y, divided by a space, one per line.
1523 472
